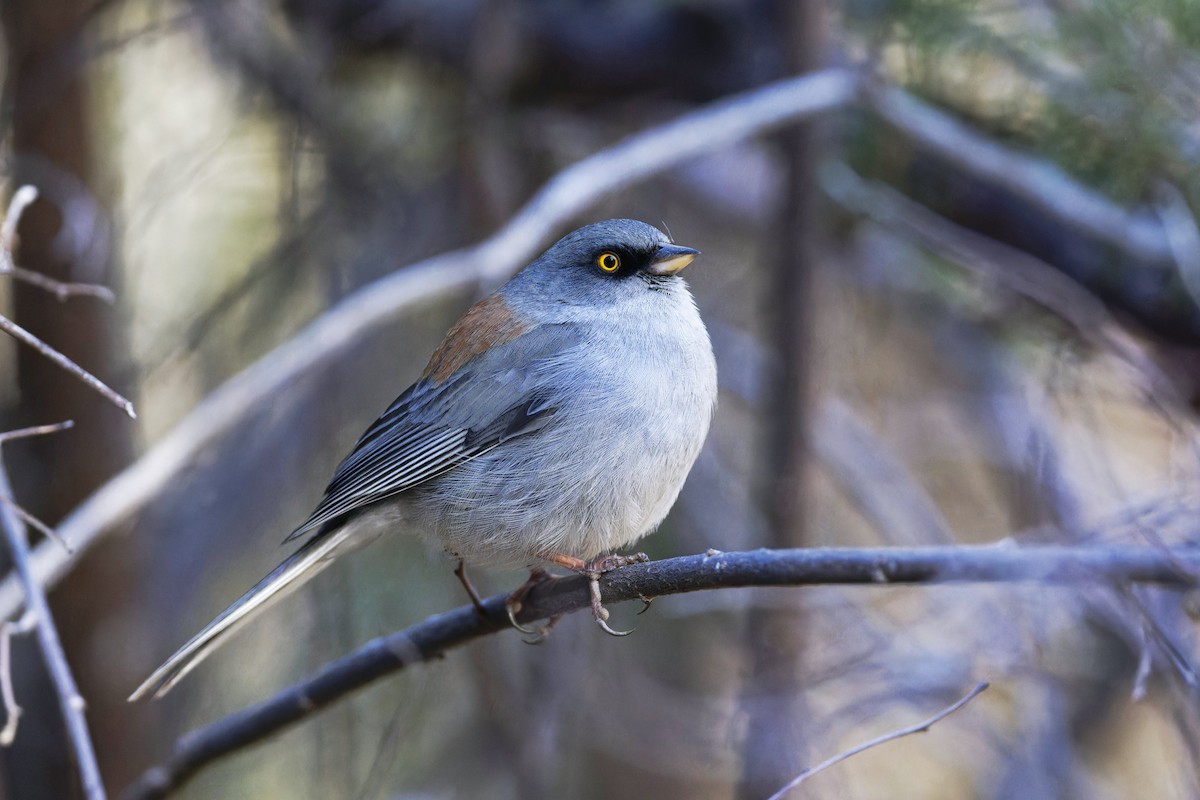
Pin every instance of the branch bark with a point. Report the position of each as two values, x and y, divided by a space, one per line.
812 566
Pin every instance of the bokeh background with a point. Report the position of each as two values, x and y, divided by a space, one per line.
910 353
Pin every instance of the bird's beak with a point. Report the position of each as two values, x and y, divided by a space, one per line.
670 259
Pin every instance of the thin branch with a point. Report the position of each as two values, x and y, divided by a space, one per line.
59 289
12 711
19 333
36 430
71 704
809 566
30 519
37 524
16 207
920 727
8 231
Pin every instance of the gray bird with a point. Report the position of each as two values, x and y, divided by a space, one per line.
556 422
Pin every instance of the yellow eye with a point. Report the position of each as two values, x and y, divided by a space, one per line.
609 262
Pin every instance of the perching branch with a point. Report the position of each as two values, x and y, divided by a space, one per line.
920 727
438 634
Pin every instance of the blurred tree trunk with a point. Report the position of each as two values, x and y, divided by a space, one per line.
52 149
772 699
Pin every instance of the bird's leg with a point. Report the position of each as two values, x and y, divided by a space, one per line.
593 570
461 572
512 605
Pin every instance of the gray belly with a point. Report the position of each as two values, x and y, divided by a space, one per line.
586 484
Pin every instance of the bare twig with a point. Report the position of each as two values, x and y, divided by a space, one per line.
920 727
59 289
36 430
19 333
30 519
809 566
71 704
16 207
20 201
37 524
12 711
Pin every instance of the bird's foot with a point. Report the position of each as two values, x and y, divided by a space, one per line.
513 606
593 570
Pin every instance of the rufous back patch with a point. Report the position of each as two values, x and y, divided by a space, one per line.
486 324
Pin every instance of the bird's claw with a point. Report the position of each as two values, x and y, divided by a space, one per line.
593 570
599 612
537 633
512 606
646 601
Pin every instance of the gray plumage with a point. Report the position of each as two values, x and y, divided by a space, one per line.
569 432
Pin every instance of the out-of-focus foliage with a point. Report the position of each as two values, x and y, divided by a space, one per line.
1107 89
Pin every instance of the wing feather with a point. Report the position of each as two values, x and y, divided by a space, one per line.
433 427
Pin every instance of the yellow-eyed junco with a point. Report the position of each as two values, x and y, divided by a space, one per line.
556 422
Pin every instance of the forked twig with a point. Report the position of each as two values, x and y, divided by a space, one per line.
30 519
62 290
8 230
37 524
